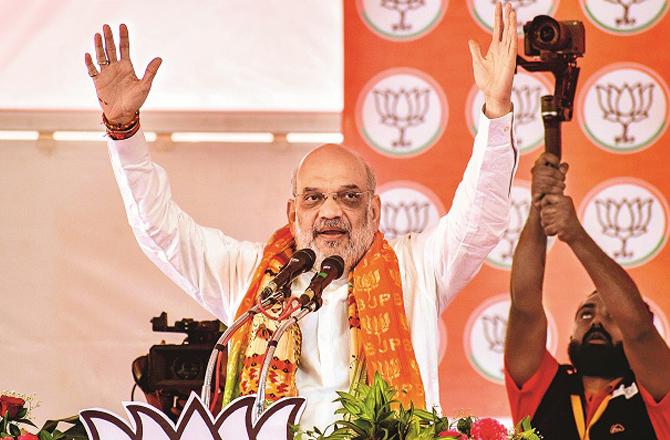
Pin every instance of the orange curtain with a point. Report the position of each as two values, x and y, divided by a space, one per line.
411 107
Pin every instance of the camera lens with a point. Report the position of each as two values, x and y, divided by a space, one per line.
186 369
544 33
547 34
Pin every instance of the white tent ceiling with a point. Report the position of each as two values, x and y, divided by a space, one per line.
225 55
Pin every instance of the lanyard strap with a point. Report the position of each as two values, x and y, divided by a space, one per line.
578 414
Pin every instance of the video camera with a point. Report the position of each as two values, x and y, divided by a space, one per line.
545 37
558 44
171 371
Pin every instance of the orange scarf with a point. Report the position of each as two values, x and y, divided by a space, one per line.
380 339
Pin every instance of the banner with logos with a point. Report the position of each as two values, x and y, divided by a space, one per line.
411 109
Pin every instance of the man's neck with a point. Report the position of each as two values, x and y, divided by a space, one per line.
596 385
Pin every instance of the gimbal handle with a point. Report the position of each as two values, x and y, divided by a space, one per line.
556 108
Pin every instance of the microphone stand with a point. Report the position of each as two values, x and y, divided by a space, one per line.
205 394
259 403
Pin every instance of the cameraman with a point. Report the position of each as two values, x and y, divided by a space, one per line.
617 386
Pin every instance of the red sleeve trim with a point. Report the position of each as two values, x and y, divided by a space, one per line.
659 412
524 401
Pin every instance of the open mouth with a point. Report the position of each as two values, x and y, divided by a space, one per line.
597 337
332 233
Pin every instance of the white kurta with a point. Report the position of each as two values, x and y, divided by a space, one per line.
435 265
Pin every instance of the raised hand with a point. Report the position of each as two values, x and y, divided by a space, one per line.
495 71
548 177
558 217
120 92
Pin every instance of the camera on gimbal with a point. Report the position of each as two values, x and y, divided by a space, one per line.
544 36
171 371
557 44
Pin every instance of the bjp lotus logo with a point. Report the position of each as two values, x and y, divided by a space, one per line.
402 109
527 90
401 20
404 217
401 112
196 422
484 337
402 7
407 208
623 108
624 219
528 100
519 210
516 4
624 105
482 11
624 17
627 218
495 327
520 201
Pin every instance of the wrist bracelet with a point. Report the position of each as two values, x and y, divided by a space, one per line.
122 131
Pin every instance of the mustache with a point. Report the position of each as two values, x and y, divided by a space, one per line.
596 329
330 223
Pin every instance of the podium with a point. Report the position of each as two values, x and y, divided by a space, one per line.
196 422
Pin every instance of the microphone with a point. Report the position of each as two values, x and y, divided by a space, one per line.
300 262
331 269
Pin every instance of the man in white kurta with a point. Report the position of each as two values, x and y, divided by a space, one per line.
435 265
216 269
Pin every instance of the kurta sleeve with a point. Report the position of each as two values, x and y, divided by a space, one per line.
210 266
453 251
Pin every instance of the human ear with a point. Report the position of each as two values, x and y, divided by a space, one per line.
291 215
376 206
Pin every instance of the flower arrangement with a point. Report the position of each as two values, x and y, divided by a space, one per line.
15 411
370 412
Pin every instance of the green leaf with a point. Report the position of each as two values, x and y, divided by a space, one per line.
50 425
14 430
27 422
5 420
464 424
22 413
44 435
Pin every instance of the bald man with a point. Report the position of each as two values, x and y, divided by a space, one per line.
382 315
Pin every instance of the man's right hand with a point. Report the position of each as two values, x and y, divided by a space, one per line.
548 177
120 92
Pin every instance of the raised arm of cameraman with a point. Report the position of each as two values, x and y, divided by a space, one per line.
527 323
647 353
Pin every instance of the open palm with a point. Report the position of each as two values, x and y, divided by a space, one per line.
494 72
120 92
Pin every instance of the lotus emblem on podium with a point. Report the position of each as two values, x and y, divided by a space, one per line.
624 219
196 422
625 105
402 109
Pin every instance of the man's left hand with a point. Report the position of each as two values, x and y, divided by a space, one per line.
558 217
495 71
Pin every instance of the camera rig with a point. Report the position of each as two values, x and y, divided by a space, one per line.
558 44
169 372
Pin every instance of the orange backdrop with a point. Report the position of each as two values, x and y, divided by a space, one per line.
408 104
